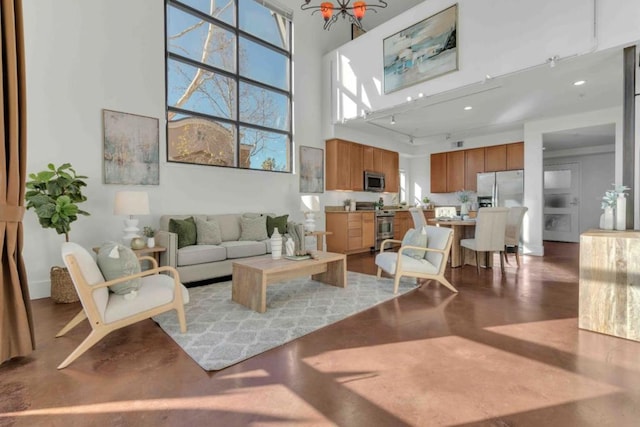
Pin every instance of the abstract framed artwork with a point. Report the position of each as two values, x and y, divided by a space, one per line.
422 51
311 170
131 149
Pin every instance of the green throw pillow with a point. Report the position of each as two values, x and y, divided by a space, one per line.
279 221
208 232
415 237
253 228
185 229
114 261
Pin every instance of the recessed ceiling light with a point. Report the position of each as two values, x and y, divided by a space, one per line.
579 82
409 99
468 107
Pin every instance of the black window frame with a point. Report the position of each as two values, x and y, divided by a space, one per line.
236 123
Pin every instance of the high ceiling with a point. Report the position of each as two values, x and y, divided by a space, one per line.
504 103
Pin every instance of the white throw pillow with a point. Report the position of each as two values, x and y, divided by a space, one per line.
253 228
208 232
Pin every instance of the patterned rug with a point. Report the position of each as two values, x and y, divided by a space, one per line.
221 332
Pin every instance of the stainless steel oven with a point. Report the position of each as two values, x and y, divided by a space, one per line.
384 226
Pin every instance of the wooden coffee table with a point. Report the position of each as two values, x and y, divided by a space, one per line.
252 276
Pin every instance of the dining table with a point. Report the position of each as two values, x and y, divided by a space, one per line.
462 229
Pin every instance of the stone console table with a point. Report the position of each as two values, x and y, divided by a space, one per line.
609 300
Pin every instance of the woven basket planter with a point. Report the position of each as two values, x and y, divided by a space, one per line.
62 289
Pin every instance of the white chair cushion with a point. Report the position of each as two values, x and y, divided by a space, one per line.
90 271
437 238
388 262
200 254
154 291
468 243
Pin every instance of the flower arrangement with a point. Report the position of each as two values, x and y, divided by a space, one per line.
148 232
610 197
463 196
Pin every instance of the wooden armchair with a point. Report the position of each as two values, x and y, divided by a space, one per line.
106 311
405 262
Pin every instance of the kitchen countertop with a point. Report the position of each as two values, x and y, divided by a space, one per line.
341 209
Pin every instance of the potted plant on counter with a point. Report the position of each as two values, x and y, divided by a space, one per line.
54 195
463 197
149 233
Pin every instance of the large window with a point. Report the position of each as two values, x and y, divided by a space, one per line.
228 65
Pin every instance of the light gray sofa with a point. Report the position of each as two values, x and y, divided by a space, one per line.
201 262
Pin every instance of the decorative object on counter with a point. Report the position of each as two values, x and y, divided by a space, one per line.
425 202
276 244
131 203
289 246
380 204
137 243
347 204
614 199
149 233
309 205
463 197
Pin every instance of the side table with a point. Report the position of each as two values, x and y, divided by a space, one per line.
154 252
319 235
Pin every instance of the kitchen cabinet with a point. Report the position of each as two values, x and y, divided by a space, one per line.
495 158
353 232
439 173
346 162
515 156
390 168
402 222
356 182
455 171
474 164
338 175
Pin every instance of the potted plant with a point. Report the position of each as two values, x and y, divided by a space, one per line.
149 233
425 202
463 197
54 195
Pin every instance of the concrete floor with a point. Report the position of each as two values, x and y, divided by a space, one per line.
504 351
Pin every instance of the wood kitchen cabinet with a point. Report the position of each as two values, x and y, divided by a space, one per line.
439 173
515 156
346 162
455 171
495 158
353 232
338 176
390 168
402 222
474 164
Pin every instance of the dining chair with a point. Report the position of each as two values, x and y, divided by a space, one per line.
108 311
489 235
512 231
418 218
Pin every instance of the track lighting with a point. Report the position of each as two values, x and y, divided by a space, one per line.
553 60
393 119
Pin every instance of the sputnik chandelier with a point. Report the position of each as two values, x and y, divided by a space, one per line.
331 12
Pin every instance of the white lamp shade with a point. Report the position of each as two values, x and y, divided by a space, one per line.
309 203
131 203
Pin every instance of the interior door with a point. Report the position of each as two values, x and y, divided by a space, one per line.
561 202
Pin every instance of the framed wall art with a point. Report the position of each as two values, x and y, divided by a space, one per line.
131 149
311 170
422 51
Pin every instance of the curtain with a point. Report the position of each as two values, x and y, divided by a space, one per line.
16 323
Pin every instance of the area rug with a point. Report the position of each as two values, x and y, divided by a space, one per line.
221 332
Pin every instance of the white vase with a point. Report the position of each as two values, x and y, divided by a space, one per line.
621 212
151 242
464 208
607 222
276 244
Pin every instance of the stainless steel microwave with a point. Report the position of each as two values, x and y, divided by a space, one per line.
373 181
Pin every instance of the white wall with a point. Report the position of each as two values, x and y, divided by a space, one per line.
85 56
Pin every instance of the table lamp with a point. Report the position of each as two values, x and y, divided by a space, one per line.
131 203
309 205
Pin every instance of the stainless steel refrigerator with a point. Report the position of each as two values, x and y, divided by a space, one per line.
504 188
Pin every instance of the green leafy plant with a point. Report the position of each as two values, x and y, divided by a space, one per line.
463 196
425 200
610 197
54 194
148 232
